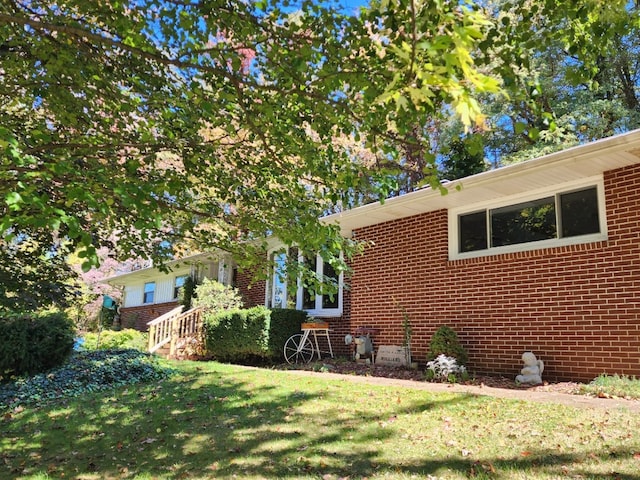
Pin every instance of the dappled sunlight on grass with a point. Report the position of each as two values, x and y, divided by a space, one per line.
219 421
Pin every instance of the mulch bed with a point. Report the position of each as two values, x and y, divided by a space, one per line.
352 368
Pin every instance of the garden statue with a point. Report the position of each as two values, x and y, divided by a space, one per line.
532 370
364 347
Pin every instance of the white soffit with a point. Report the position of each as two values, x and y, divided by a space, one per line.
561 167
151 273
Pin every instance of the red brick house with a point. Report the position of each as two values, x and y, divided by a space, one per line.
543 256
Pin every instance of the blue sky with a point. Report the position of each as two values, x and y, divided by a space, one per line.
352 5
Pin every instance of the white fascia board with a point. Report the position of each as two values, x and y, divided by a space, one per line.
567 165
152 272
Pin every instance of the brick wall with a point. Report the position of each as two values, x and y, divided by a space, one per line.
138 317
253 292
575 307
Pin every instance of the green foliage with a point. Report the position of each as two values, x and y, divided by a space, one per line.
107 317
216 297
85 372
608 386
188 292
34 343
445 342
284 323
240 335
110 339
231 146
569 81
35 276
236 335
462 157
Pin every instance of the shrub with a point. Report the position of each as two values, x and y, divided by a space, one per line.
241 335
31 343
127 338
445 342
284 323
445 369
236 335
86 371
215 296
188 292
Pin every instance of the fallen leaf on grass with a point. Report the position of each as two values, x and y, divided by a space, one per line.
149 440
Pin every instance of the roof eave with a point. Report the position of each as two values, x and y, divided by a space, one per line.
571 164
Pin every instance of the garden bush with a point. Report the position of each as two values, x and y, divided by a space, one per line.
213 295
188 292
445 342
127 338
32 343
236 335
284 323
239 335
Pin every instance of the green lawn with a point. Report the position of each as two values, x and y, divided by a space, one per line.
219 421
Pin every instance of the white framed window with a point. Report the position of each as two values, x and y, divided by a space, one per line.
301 293
569 214
178 285
149 292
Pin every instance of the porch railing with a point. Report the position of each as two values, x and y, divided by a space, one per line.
172 326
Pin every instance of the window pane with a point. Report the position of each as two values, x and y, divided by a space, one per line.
579 212
279 281
292 283
178 285
330 300
473 231
524 222
308 295
149 290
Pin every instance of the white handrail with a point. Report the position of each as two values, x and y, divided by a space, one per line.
172 326
160 329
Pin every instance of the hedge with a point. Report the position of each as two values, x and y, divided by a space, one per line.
284 323
239 335
32 343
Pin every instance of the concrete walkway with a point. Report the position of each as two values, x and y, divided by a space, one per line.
578 401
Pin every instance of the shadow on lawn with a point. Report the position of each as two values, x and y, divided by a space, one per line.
213 425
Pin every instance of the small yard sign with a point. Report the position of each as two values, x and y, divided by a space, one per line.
392 355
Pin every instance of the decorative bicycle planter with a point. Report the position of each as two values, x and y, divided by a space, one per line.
301 347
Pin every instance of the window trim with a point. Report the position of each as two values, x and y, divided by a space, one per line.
144 293
318 311
555 191
176 289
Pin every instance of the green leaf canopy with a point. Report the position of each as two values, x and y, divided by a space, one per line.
144 125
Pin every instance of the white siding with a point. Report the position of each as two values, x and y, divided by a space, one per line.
133 295
164 289
165 283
